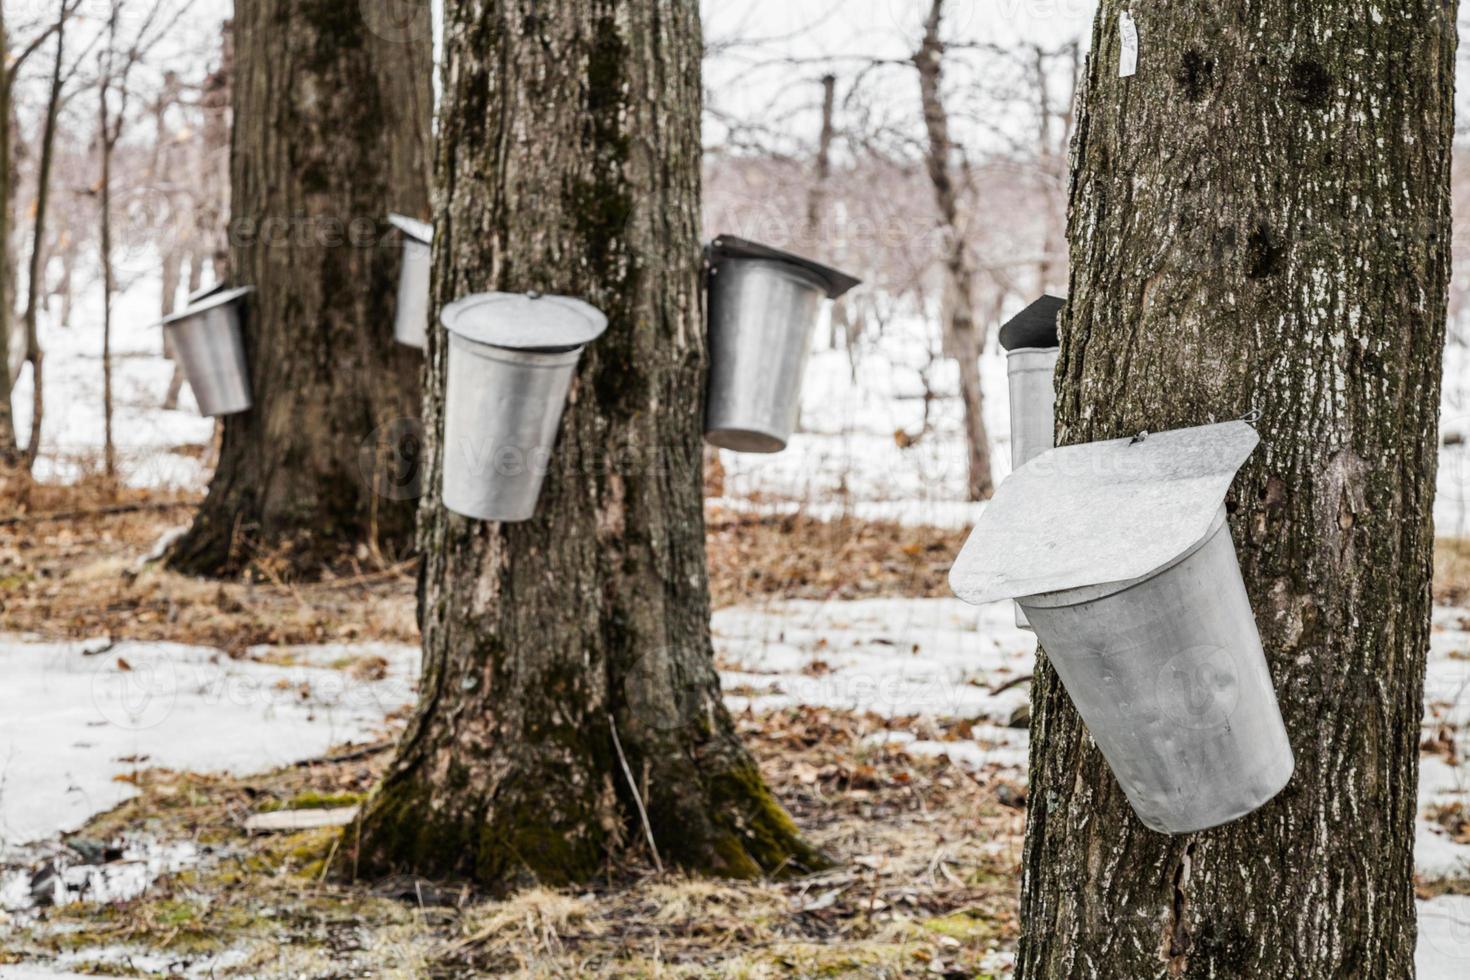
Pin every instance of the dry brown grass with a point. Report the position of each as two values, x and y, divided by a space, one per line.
1452 571
84 575
924 885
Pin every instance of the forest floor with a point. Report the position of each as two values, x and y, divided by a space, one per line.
887 717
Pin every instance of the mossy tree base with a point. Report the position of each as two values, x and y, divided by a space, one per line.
569 163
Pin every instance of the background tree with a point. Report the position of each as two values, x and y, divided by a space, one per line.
963 338
1260 217
316 166
569 702
12 60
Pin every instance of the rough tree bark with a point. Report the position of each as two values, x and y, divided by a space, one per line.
962 337
331 133
1260 217
569 162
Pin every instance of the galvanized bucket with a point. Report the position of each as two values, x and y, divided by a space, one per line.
1029 371
206 340
1120 556
1031 343
411 321
1169 675
511 361
763 307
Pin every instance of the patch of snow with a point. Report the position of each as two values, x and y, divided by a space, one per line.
73 726
1443 952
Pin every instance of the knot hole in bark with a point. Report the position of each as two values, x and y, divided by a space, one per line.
1309 83
1196 75
1264 253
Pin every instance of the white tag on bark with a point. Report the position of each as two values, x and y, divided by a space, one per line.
1128 60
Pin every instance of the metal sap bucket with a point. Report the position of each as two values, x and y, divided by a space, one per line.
1030 340
206 340
1120 555
411 321
1169 674
511 361
763 307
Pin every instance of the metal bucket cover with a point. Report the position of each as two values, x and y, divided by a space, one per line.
729 247
524 321
208 300
1035 326
203 293
419 231
1100 512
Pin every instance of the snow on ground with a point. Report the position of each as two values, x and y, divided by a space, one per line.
71 722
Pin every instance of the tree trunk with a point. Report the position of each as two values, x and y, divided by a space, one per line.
36 275
316 166
569 162
106 142
962 337
9 456
1260 218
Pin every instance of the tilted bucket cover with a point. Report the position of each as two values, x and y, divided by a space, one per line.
208 299
1035 326
1100 512
524 321
730 247
419 231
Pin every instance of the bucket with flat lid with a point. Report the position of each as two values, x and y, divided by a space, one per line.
411 320
1120 555
206 340
1030 341
763 306
511 361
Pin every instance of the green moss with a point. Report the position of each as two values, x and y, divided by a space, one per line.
967 927
766 835
523 842
312 800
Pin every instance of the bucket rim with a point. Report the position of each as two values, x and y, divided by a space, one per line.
738 439
725 248
210 301
530 356
420 231
1021 354
1103 590
530 321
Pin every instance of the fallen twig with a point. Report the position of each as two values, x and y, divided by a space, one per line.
73 515
348 756
642 813
1013 682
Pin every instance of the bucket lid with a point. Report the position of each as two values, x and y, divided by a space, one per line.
729 247
1100 512
419 231
524 321
200 294
208 300
1035 326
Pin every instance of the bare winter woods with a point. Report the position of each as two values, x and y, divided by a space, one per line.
888 163
345 694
